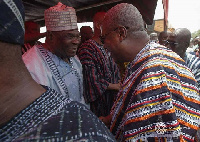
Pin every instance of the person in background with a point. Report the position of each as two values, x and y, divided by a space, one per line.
190 48
195 43
182 38
159 99
32 35
55 63
29 111
86 33
100 73
170 42
154 37
197 51
163 37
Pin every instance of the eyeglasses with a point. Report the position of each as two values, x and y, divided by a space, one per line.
102 38
170 43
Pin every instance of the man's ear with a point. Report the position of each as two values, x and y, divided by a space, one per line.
122 33
98 25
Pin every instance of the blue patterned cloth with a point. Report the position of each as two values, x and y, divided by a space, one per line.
12 21
54 117
193 62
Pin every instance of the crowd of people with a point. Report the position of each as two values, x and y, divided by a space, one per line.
70 88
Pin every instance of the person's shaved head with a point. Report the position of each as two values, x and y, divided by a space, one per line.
183 37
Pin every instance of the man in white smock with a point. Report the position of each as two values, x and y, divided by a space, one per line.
54 63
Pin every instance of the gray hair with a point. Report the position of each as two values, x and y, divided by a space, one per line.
126 15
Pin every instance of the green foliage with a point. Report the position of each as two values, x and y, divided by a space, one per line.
195 34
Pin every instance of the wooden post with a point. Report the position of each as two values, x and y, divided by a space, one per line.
165 7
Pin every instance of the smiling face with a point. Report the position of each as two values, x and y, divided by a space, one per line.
65 43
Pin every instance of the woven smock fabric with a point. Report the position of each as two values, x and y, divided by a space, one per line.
193 63
54 117
99 69
159 99
50 70
12 21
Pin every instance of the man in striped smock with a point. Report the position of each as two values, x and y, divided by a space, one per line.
159 99
179 41
100 72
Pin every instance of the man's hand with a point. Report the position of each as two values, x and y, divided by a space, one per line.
114 86
106 120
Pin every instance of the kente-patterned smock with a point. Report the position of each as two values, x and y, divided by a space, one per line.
159 99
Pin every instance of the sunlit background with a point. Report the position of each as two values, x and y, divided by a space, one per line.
181 14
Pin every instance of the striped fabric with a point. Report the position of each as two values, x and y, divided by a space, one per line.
193 63
99 69
159 99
